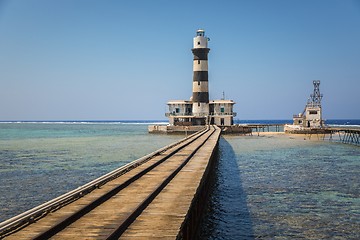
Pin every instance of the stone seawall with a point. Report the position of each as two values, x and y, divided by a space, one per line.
174 129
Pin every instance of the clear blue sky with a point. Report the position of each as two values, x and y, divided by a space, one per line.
122 60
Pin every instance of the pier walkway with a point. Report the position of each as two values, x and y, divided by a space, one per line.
345 135
340 134
158 196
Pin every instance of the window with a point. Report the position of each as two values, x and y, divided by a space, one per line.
177 110
222 109
198 43
312 112
198 61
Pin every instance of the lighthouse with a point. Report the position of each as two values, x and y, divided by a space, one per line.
200 89
199 111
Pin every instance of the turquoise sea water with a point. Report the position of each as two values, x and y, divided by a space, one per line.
284 187
40 161
267 187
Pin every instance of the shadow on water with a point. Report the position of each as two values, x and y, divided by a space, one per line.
227 215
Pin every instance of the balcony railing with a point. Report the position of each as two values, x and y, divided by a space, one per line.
223 114
168 114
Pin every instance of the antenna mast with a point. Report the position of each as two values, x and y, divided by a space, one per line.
315 97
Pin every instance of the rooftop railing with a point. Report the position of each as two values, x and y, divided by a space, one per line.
168 114
223 113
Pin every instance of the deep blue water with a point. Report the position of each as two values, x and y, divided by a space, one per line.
330 122
146 122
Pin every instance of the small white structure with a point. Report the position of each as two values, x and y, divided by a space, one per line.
221 112
311 117
180 112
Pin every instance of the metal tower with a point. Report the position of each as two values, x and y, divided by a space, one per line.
315 97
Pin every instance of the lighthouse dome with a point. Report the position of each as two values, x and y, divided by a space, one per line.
200 41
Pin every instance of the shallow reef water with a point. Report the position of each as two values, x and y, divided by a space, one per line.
284 187
272 186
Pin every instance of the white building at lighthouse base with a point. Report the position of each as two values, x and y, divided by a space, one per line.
220 113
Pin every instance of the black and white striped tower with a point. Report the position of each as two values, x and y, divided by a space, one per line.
200 96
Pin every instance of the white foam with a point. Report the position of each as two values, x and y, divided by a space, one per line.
343 125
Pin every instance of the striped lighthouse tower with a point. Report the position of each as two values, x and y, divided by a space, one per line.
200 96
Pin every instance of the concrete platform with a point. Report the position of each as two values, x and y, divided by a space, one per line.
168 129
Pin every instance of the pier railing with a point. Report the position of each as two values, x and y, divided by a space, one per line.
266 127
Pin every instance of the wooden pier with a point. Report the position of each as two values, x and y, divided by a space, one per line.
266 127
158 196
340 134
345 135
